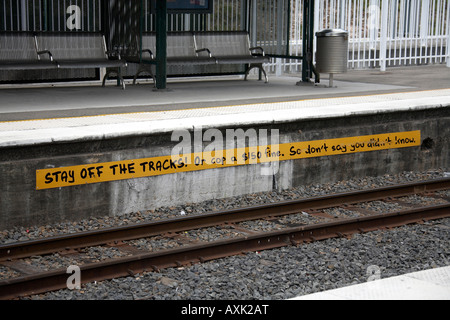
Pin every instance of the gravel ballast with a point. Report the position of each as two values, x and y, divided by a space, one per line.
272 274
286 272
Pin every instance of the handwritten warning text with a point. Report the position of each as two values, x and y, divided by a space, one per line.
147 167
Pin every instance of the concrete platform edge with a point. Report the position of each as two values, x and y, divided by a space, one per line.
433 284
261 114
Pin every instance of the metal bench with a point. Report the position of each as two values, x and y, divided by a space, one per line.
233 47
181 50
80 50
201 48
148 56
18 51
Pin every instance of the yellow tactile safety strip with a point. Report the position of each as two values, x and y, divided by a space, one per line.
210 111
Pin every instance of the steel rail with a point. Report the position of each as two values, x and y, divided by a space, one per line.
110 235
54 280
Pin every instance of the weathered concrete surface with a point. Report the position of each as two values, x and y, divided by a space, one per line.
434 153
21 204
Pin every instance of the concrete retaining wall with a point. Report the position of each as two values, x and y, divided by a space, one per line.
22 205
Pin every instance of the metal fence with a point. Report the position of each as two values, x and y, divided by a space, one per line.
385 33
382 33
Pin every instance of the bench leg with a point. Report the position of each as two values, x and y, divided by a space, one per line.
144 68
104 78
260 67
120 79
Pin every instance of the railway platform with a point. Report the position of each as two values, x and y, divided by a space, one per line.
72 100
50 132
72 126
432 284
88 111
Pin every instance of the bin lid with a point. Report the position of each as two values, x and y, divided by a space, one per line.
332 33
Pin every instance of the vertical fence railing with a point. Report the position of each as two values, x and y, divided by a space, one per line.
50 15
382 33
387 33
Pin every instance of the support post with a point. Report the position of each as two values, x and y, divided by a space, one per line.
383 37
308 40
254 22
161 44
448 37
23 15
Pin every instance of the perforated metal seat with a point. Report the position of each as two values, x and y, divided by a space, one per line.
181 50
80 50
232 47
148 56
202 48
18 52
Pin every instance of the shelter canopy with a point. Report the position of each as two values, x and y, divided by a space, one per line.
266 21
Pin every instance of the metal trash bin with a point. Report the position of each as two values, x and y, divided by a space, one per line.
332 52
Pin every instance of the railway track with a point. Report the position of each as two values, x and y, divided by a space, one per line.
289 230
